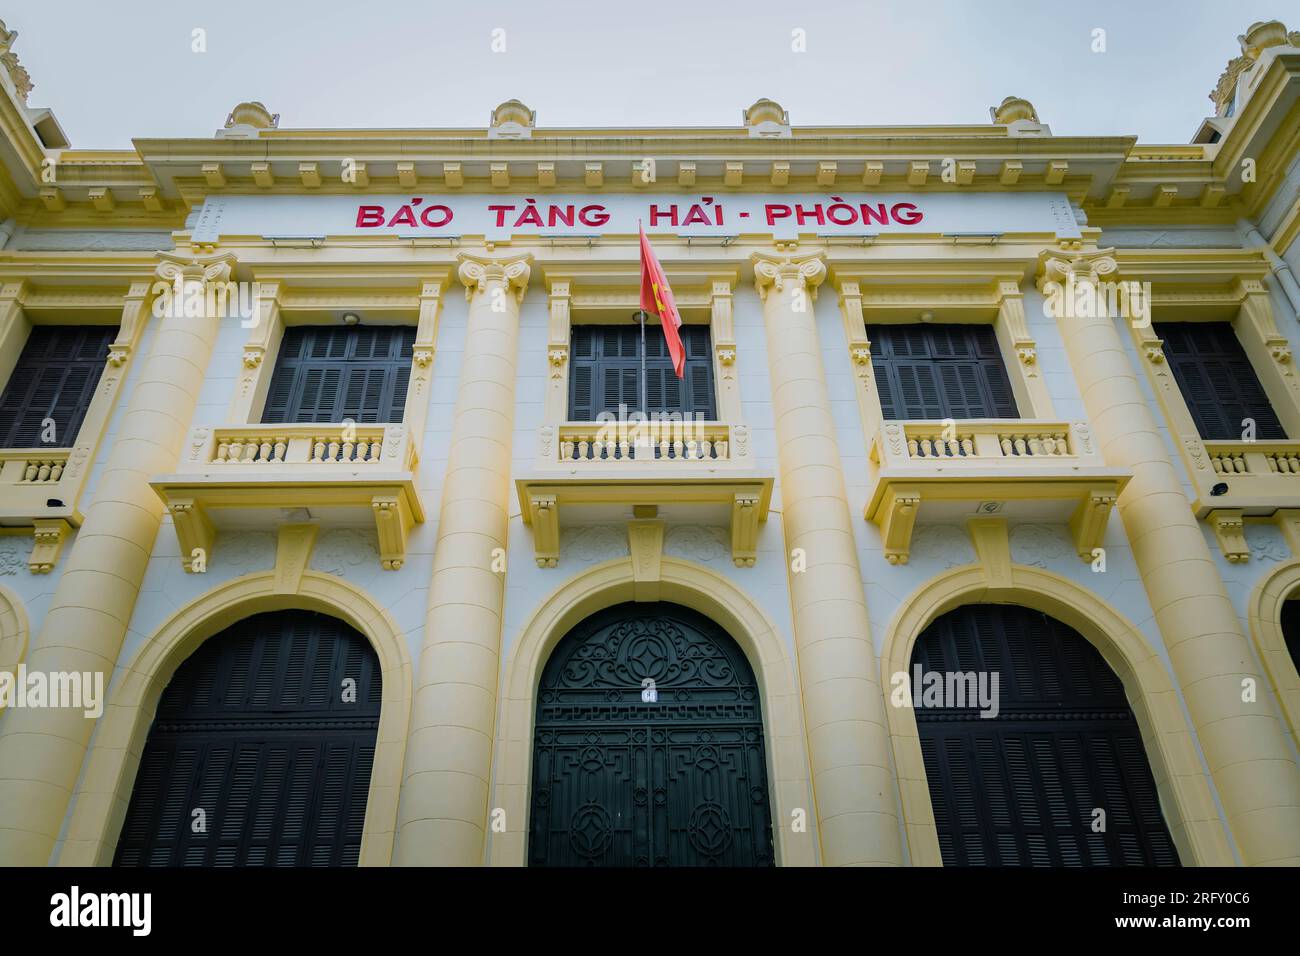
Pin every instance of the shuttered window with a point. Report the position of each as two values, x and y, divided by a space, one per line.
268 729
55 378
1022 788
332 373
940 371
606 371
1217 380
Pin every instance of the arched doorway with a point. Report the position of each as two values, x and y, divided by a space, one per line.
1059 776
648 746
261 750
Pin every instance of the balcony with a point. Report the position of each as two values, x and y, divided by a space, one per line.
1260 476
942 468
38 488
1236 479
688 471
342 474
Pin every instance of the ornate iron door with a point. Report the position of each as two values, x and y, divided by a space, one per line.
1059 776
648 748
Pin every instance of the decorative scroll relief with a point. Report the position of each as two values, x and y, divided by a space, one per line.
13 554
1041 545
498 217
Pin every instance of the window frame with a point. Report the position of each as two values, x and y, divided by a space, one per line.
996 300
76 296
280 306
1246 303
581 298
660 366
393 367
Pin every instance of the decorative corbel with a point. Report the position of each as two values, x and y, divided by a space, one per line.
1229 528
544 516
557 351
134 314
744 529
855 325
1011 313
896 517
426 333
722 331
49 535
393 521
1257 311
193 532
12 295
1088 523
422 352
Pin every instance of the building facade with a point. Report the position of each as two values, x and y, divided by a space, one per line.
352 512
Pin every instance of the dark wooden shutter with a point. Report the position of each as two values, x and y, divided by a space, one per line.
329 373
1291 630
1217 380
605 371
255 731
1020 789
940 371
55 377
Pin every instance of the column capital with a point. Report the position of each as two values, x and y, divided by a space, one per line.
477 271
1058 265
776 271
212 267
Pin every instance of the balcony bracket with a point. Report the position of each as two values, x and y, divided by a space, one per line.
743 501
194 532
1229 529
50 534
1088 524
544 516
897 516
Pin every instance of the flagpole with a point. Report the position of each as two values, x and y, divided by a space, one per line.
644 410
641 313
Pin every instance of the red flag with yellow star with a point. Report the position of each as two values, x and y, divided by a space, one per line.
657 299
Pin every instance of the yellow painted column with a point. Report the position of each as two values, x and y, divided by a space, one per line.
1256 776
41 750
443 812
848 740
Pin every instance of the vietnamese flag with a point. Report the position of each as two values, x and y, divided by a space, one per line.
657 299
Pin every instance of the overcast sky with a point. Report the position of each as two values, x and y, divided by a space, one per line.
116 70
